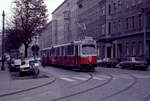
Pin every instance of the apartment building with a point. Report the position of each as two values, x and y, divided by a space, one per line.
45 39
64 22
125 23
117 25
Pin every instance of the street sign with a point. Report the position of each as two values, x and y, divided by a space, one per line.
35 48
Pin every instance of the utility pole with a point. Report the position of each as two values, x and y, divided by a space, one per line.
145 12
3 42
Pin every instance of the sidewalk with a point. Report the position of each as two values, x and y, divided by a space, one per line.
9 86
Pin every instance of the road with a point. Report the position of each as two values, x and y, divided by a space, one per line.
105 84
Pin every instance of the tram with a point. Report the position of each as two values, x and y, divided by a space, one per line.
78 54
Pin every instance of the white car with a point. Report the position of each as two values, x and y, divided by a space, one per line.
29 66
15 64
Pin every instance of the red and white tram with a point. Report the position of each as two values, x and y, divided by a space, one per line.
78 54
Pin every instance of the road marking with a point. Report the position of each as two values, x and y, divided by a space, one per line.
103 76
67 79
80 78
141 76
122 76
97 78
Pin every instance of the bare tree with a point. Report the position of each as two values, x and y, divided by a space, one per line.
12 40
30 16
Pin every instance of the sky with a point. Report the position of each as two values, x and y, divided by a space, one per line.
5 5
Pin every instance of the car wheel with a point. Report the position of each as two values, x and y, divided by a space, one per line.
130 67
20 73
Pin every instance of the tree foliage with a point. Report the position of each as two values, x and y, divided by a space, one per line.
12 40
30 16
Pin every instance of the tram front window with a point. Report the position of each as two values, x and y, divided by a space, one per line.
88 49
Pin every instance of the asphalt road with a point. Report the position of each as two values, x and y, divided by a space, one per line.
105 84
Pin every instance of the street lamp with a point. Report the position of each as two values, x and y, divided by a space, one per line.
145 12
2 67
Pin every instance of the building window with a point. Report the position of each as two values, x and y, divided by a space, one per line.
119 25
133 2
114 27
127 24
140 20
140 1
109 9
127 3
109 27
119 4
103 10
103 29
115 6
149 20
133 49
140 48
133 18
127 49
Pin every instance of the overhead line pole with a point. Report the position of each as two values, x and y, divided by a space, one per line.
3 43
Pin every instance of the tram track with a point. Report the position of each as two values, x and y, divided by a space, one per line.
87 90
122 90
29 89
83 82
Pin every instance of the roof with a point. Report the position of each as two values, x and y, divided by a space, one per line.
59 6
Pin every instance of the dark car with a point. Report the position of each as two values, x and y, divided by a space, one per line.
133 63
109 62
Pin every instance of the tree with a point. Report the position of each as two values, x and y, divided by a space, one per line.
12 40
30 16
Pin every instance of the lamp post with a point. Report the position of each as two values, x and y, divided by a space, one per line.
3 60
145 12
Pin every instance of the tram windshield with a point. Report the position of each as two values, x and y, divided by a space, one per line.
88 49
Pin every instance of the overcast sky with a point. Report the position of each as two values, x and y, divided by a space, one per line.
6 6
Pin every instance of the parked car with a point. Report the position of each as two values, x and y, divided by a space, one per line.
99 60
15 64
109 62
133 63
29 66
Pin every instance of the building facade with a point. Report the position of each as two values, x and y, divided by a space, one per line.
124 25
117 25
64 22
45 39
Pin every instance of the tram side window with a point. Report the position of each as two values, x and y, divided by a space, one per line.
66 51
41 53
49 51
52 52
70 50
62 51
57 51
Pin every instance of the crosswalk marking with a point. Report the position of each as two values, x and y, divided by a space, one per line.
97 78
103 76
68 79
80 78
122 76
141 76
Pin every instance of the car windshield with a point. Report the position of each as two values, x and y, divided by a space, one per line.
139 59
88 49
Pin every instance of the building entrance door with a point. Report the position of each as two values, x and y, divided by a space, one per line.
119 51
109 52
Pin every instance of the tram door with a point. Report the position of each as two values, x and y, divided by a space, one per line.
76 56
